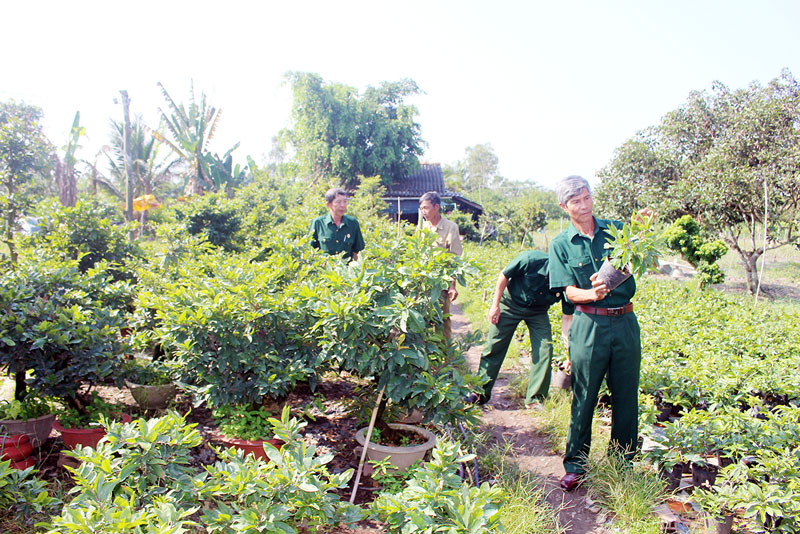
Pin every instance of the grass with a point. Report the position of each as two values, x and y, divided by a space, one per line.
628 492
525 510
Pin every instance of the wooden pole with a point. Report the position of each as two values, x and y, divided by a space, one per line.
126 139
366 444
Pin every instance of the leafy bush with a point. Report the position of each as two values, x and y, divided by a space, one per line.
24 495
231 326
30 407
466 226
140 477
242 422
436 499
212 216
376 320
685 237
61 325
89 232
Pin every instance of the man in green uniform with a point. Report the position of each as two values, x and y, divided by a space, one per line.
522 294
604 340
337 233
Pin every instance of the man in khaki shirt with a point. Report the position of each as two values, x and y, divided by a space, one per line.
430 205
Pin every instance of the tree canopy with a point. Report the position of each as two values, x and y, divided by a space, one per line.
337 133
729 158
24 153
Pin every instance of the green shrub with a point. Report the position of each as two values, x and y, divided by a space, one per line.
61 325
436 499
685 237
213 216
140 479
23 495
89 232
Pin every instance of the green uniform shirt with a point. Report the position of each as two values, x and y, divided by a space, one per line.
528 284
574 258
345 239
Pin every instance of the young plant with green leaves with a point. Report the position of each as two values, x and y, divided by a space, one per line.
437 500
635 246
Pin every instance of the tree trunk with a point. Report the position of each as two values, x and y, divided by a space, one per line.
128 160
66 183
750 262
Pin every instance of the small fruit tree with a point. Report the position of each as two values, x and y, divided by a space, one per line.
63 326
377 319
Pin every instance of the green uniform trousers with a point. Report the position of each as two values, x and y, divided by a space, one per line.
603 347
500 335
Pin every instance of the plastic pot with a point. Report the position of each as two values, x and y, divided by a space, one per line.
611 276
86 437
152 397
38 429
560 379
400 457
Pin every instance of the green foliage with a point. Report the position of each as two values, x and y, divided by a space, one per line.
88 232
367 202
24 495
30 407
636 245
24 154
244 422
684 236
466 225
146 372
212 217
140 477
61 325
376 320
233 327
436 500
93 411
721 157
389 478
340 134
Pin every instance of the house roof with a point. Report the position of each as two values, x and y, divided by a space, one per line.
427 178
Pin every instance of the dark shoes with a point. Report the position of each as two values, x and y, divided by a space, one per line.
474 398
570 481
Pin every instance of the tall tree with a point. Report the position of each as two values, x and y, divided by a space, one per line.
191 129
24 153
150 167
64 169
730 158
340 134
480 168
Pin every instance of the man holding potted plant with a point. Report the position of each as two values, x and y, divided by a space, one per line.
604 339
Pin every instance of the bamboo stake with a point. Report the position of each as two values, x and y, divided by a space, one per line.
366 444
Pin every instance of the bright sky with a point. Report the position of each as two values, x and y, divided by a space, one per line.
553 86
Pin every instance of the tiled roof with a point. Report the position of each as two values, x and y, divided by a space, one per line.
427 178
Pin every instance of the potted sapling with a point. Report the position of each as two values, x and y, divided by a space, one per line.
633 250
247 428
150 383
32 416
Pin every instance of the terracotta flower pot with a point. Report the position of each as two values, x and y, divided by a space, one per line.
37 429
15 447
152 397
87 437
254 447
400 457
611 276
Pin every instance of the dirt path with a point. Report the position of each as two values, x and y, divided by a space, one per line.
508 421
